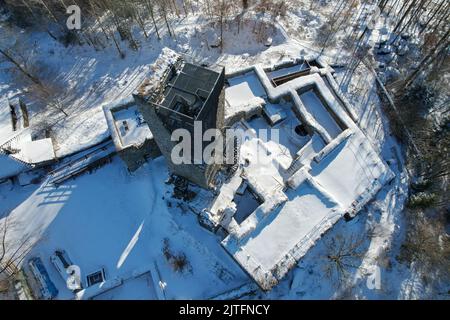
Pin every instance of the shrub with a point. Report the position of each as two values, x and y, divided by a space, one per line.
422 200
178 261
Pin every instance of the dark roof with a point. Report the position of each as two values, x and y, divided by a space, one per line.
189 88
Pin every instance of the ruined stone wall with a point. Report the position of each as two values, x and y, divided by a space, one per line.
212 169
162 137
134 157
221 110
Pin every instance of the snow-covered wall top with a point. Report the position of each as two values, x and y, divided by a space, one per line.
325 183
125 124
158 71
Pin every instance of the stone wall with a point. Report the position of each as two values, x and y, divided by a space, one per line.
134 156
162 137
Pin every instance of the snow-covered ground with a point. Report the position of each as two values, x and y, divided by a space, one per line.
89 79
339 178
118 221
126 125
380 224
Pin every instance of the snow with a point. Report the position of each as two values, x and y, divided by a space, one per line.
37 151
27 153
9 166
135 132
6 127
113 220
243 291
97 289
246 203
92 79
282 230
287 70
75 135
242 98
158 71
225 198
263 164
338 93
29 177
289 142
239 94
380 222
5 120
313 111
126 124
314 146
99 78
135 289
316 108
247 85
274 113
328 179
78 163
348 170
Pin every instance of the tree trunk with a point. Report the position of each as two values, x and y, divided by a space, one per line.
431 55
21 69
150 9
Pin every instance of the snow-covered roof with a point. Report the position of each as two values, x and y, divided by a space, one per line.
26 153
18 151
126 124
36 151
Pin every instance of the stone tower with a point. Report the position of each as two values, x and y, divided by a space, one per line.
182 95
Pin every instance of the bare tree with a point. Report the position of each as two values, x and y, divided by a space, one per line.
164 7
151 11
221 8
12 253
428 245
13 51
343 254
10 57
442 45
50 94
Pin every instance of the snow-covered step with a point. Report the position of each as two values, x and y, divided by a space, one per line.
81 164
294 167
237 293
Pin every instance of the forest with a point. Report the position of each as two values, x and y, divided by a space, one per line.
409 57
